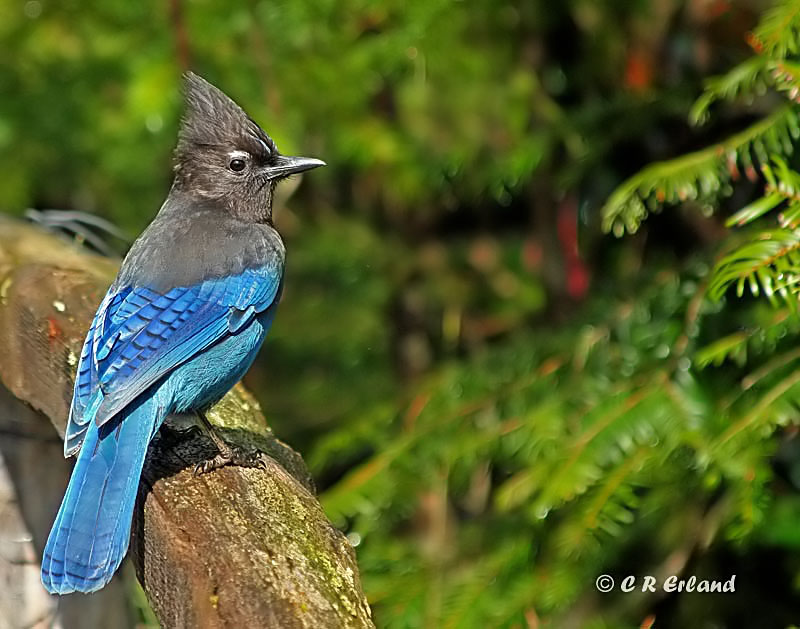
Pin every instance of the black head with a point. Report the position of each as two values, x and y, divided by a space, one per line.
224 156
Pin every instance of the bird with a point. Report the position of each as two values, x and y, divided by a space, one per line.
180 325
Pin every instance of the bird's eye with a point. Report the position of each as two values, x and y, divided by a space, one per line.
237 165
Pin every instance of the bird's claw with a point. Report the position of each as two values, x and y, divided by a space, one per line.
236 455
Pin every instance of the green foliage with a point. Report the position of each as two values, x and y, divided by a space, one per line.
702 176
748 78
757 345
706 175
778 32
767 262
555 455
493 418
438 127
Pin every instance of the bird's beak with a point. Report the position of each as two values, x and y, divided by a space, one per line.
284 165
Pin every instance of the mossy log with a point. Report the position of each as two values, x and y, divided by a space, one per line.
237 547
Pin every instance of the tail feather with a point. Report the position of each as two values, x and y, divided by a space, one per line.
91 532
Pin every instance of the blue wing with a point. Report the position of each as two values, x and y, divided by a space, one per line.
139 335
86 379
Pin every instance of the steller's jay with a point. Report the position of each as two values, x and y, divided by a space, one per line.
179 326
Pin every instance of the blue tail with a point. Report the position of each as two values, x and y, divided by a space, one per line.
92 529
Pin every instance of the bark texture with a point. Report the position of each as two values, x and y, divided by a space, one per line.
233 548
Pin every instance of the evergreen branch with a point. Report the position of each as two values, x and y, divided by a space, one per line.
733 346
339 499
748 80
701 176
760 410
763 372
771 264
789 218
644 410
613 481
460 604
786 77
519 488
759 341
755 210
750 77
783 184
782 179
778 32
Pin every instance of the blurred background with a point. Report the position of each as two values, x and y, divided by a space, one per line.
499 401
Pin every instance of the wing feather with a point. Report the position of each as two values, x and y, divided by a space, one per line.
139 335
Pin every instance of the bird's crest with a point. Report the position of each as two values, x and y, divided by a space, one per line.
212 119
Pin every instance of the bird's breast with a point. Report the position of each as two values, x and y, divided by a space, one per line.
203 380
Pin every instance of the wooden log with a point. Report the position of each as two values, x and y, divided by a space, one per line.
234 548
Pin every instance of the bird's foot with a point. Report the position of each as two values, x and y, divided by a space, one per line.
228 454
231 455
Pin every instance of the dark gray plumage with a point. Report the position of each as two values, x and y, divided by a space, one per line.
194 239
215 221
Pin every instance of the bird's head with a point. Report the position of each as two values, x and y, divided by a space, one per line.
224 156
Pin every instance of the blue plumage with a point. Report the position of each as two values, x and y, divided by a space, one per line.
90 535
144 336
179 327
